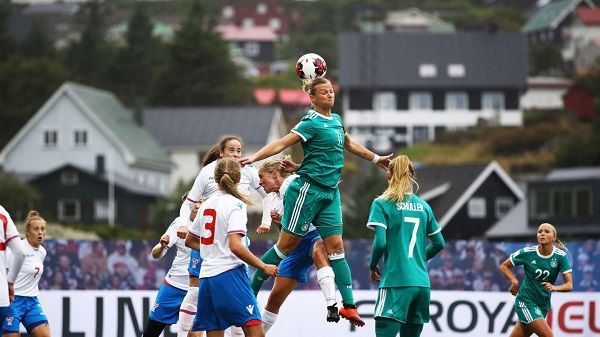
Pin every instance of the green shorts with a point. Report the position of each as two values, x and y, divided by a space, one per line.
404 304
528 312
305 202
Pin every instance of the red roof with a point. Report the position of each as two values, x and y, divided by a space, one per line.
293 97
264 96
589 16
254 33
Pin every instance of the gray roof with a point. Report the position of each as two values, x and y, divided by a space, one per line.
457 178
577 173
119 120
392 59
203 126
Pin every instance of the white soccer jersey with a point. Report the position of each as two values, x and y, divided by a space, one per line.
276 203
8 231
178 275
27 281
220 215
205 186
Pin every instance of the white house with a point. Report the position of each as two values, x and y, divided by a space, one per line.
545 93
402 89
90 129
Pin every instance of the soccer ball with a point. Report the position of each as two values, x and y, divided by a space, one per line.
310 66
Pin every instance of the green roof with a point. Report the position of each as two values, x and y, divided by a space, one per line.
119 120
549 16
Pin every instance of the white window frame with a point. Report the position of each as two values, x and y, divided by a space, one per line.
248 22
69 177
384 101
415 100
427 70
46 135
275 23
227 12
252 49
477 208
261 8
503 202
424 140
60 211
456 70
77 137
488 99
451 100
101 209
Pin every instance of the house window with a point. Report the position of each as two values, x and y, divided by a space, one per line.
275 24
261 8
539 202
227 12
101 209
583 203
69 210
420 100
457 100
69 178
427 70
456 70
503 206
385 100
492 100
420 134
252 49
50 138
476 208
248 22
80 137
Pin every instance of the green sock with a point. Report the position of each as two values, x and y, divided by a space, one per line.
411 329
385 327
270 257
343 279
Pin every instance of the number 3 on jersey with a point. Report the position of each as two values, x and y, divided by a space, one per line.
209 226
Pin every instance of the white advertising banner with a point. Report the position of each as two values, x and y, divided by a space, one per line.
453 313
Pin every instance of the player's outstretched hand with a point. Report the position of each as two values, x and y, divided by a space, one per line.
246 160
548 286
289 166
271 270
181 233
384 161
375 275
263 229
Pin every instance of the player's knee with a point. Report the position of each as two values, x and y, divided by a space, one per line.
192 295
319 255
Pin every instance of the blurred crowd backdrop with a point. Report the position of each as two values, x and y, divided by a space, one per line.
462 265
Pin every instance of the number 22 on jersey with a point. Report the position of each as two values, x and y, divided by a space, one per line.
210 219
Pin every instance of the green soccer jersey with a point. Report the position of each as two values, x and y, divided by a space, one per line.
323 146
408 225
538 269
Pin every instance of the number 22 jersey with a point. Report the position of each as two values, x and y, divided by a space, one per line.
220 215
538 269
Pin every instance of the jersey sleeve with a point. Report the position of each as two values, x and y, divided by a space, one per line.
377 215
518 258
199 185
305 129
267 204
237 219
172 232
196 228
565 265
11 229
432 225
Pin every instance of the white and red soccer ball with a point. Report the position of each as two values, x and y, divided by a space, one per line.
310 66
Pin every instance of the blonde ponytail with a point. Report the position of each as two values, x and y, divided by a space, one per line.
402 181
227 176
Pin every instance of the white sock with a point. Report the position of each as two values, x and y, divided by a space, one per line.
187 312
326 279
268 319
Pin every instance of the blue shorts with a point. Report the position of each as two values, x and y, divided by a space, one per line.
225 300
26 310
3 311
195 263
167 303
298 263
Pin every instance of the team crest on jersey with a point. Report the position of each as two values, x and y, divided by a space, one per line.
9 320
305 227
538 311
155 306
195 263
250 308
553 263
